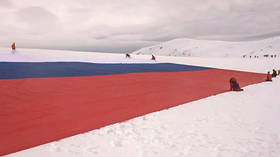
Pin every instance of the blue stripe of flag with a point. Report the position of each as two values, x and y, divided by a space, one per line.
14 70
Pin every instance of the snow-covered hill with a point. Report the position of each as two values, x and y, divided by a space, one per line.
212 48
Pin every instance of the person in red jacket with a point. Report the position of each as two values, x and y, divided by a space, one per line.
13 46
268 77
234 86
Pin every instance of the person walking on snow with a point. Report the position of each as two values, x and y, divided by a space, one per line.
153 57
127 55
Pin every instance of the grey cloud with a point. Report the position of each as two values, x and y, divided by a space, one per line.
6 3
100 37
237 20
122 25
262 36
38 20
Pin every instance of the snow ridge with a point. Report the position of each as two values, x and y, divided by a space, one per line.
212 48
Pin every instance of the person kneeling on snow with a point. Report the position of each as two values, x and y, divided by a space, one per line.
268 77
234 86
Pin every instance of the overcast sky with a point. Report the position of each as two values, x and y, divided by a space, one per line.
126 25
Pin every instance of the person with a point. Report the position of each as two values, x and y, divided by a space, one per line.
127 55
274 73
278 72
268 77
153 57
13 47
234 86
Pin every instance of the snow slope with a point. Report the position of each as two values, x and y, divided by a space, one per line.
212 48
41 55
232 124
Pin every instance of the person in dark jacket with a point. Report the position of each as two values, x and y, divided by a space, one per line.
274 73
153 57
127 55
234 86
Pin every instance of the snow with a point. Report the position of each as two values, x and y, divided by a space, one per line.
212 48
232 124
41 55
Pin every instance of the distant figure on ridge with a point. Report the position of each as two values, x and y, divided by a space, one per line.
13 47
268 77
153 57
127 55
234 86
274 73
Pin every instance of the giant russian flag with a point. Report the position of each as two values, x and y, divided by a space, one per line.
46 101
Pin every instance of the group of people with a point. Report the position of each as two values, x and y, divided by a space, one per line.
234 86
128 56
270 76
